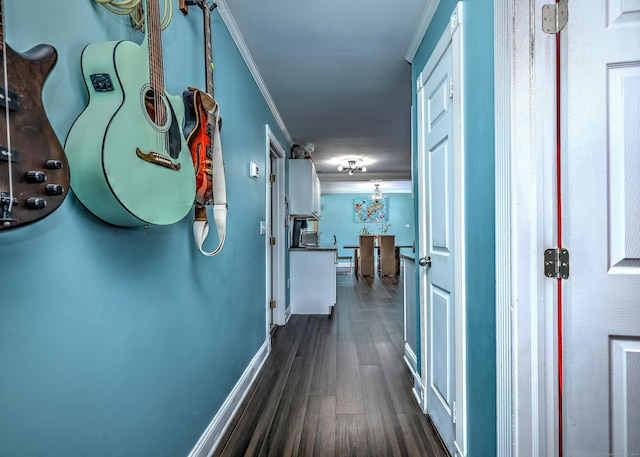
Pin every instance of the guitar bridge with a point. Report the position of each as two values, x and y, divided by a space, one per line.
157 159
6 218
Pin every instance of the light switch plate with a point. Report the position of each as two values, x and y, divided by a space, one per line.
254 171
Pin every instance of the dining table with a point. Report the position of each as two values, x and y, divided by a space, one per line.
356 248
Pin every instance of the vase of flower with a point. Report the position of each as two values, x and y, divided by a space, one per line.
365 231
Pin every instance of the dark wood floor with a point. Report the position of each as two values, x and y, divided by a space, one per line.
336 387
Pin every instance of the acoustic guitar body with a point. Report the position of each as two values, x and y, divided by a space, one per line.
126 169
39 172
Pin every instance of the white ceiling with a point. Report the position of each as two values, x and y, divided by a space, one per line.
337 75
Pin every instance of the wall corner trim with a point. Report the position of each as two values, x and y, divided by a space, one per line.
210 439
421 30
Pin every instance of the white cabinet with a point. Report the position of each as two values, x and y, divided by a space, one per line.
312 281
304 189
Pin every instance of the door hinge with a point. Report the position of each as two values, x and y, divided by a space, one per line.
272 304
272 178
451 88
272 240
454 412
555 16
556 263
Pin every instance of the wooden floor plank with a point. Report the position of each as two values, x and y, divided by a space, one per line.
351 439
365 347
383 428
378 330
346 295
247 432
412 429
323 381
284 434
318 436
348 383
397 378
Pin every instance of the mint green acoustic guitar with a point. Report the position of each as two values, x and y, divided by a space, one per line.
130 164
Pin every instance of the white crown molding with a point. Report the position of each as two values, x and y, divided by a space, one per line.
238 39
423 25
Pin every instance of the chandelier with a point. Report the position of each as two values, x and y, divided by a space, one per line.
377 195
351 166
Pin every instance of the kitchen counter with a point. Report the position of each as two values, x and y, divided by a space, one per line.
311 248
312 280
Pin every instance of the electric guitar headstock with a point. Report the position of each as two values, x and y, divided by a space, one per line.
202 4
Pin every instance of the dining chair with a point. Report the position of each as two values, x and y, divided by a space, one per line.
342 257
366 257
387 259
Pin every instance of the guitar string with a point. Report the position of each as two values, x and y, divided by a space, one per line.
131 7
152 15
8 154
155 54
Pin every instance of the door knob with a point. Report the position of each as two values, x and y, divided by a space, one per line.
425 262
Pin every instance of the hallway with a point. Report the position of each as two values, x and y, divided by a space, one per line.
336 386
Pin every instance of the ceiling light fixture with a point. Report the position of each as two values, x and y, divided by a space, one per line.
351 166
377 195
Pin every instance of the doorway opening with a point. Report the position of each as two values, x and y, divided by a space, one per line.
277 314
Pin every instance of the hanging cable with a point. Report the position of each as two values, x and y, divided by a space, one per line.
123 7
130 8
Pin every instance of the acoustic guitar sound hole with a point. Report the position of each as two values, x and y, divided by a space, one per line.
156 109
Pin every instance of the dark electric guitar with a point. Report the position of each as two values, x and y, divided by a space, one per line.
34 175
202 129
201 114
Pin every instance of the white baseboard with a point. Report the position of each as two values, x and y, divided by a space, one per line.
412 362
210 439
410 359
419 393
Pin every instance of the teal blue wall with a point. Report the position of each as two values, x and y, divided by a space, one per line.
479 211
121 342
337 219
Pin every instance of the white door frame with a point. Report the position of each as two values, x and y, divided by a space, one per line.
525 134
453 35
277 199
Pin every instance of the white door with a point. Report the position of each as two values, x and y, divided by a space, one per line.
436 224
601 57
